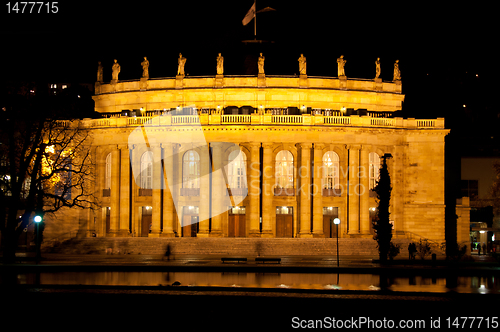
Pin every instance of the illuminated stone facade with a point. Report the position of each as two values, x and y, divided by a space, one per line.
308 121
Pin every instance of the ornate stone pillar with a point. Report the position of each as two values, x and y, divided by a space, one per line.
218 189
205 167
253 182
115 193
304 177
364 192
318 191
124 229
267 190
156 199
354 189
168 198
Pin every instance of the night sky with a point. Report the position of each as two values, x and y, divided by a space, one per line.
441 48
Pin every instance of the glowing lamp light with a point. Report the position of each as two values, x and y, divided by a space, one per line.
336 221
37 219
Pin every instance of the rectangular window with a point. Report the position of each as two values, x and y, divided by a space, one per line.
470 188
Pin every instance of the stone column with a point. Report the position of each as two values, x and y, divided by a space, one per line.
354 189
168 199
318 191
156 199
115 193
218 189
253 181
124 191
135 161
267 190
304 175
364 192
205 167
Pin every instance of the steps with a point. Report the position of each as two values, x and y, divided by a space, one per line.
223 246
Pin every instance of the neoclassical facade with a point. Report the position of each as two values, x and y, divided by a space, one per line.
296 152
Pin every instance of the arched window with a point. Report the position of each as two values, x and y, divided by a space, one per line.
330 170
284 169
147 170
191 170
374 169
236 169
107 174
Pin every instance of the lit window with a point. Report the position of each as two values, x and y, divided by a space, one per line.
64 86
147 170
191 170
53 86
284 169
374 169
330 170
236 169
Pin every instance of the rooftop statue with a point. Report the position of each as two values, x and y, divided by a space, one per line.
180 67
261 64
220 64
397 72
116 70
377 68
302 65
145 68
99 72
340 64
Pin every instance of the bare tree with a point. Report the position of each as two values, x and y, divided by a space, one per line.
46 165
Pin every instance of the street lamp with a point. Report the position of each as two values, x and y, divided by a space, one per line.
37 220
336 221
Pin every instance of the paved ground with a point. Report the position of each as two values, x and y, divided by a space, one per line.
188 308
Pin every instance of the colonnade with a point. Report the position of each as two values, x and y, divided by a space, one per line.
167 200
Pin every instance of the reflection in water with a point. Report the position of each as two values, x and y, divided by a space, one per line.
336 281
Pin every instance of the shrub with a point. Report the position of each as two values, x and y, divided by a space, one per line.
394 249
423 249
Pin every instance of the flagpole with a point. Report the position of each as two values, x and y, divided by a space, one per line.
255 20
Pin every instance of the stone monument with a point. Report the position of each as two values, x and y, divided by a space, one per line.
115 71
99 72
340 66
397 72
145 68
180 67
302 65
220 64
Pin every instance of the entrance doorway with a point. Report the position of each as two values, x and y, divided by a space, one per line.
284 221
190 221
108 218
329 228
236 224
147 214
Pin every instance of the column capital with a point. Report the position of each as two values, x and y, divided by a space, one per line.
267 145
252 145
353 146
366 147
319 146
304 145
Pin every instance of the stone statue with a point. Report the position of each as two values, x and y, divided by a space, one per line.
145 68
302 65
377 68
340 64
180 67
220 65
397 72
116 70
261 64
99 72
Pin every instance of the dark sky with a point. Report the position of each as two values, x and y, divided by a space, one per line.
438 46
